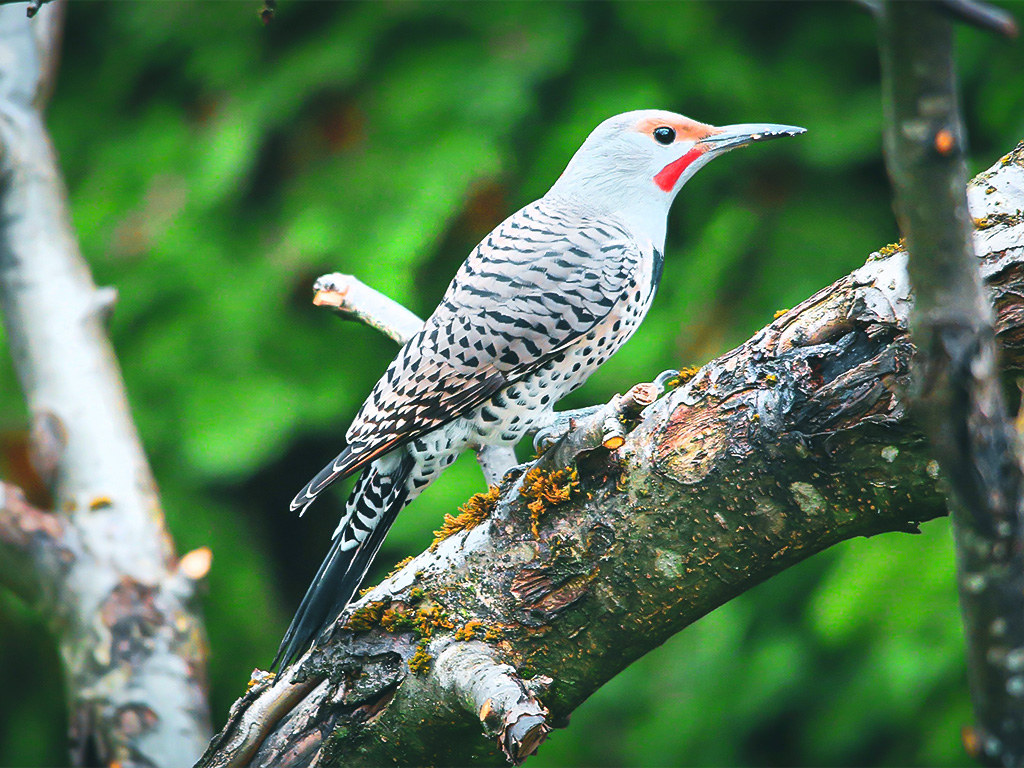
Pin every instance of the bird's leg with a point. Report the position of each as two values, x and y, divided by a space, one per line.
496 461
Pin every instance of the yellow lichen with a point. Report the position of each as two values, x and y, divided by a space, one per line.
400 617
476 629
476 509
431 617
398 566
368 616
396 619
420 661
983 223
682 376
779 313
546 489
889 250
468 631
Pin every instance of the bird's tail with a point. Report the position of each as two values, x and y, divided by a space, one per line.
378 497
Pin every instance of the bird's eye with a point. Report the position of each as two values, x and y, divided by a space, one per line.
664 135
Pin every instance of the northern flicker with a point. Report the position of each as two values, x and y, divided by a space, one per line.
545 299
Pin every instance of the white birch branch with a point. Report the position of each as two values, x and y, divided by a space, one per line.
105 572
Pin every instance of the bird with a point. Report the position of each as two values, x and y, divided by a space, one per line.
544 300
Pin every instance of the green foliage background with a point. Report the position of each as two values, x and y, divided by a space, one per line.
215 167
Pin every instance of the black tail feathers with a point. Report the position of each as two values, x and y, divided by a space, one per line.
376 497
338 469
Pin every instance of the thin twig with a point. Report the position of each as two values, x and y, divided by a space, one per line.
352 299
981 15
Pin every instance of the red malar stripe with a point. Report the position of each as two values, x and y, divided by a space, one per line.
669 175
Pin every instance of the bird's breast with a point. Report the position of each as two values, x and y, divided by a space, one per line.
520 407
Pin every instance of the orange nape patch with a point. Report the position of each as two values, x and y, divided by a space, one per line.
685 128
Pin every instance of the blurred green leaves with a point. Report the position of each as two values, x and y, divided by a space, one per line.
216 167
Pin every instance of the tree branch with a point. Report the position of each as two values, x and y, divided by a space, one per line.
790 443
103 568
957 389
352 299
981 15
32 6
32 548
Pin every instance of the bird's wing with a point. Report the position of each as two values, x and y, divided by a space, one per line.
536 284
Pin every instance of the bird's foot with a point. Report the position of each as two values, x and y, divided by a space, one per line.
621 411
514 473
667 380
562 424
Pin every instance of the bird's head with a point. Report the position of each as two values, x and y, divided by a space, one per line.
635 163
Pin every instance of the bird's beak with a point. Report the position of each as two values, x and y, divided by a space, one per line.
732 136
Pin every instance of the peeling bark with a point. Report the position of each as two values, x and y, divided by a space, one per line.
102 567
794 441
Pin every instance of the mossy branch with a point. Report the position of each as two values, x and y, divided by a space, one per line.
794 441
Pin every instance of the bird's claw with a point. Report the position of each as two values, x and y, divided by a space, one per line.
515 472
664 380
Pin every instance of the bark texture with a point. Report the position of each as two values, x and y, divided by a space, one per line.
957 394
540 593
101 566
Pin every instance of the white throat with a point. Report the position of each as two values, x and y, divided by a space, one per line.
594 184
640 207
